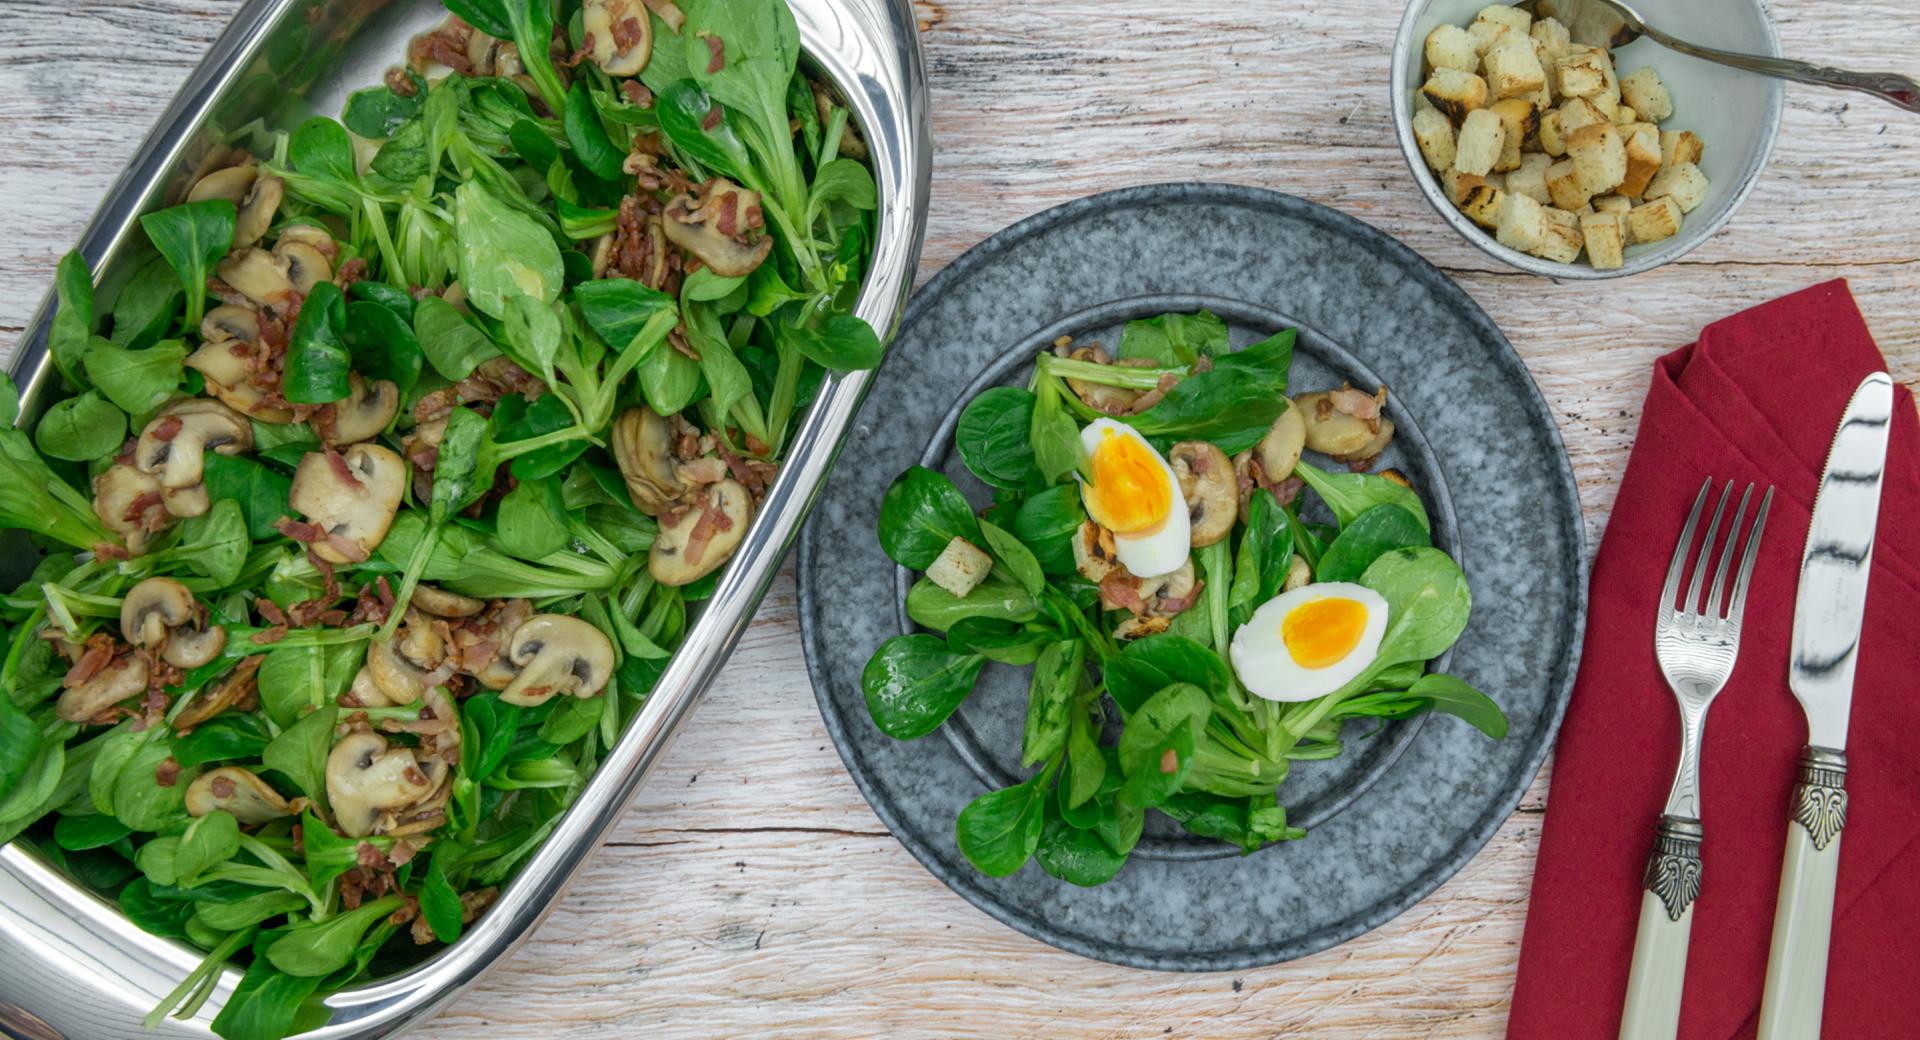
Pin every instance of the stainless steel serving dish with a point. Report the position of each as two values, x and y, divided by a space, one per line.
70 965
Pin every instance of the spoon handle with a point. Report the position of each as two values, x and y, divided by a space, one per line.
1903 91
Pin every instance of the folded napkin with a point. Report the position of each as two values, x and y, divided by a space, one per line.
1756 399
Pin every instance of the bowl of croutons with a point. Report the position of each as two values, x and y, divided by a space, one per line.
1563 155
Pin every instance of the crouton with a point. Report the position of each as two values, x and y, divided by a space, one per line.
1512 17
1552 137
1578 112
1513 68
1642 142
1481 203
1485 34
1617 204
1455 93
1681 182
1457 184
1435 136
1626 116
1643 90
1608 105
1580 74
960 567
1553 36
1530 178
1599 157
1517 115
1653 221
1521 222
1678 146
1562 241
1605 239
1482 136
1563 186
1450 47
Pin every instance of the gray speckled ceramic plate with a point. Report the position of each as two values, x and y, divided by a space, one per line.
1402 810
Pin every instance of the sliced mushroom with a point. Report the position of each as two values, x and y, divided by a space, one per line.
601 255
229 322
1279 449
366 777
557 654
306 266
1207 483
231 184
398 680
1108 400
619 35
852 145
669 13
257 210
317 237
720 227
238 791
1139 626
361 415
173 446
258 275
131 504
1329 430
229 379
496 673
419 643
160 612
187 501
441 603
1363 458
122 678
1094 554
693 543
56 637
643 447
351 497
231 690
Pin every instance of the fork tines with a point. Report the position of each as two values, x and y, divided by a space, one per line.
1735 602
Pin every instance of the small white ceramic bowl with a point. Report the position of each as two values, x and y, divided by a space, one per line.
1736 114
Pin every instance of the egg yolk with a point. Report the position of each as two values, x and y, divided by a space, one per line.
1130 491
1321 632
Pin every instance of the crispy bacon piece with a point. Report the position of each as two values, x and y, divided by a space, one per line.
716 51
354 270
167 773
1122 590
167 428
400 83
637 93
93 660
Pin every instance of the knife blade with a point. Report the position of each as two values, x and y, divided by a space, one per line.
1832 598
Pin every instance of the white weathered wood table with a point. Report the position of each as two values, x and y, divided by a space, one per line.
751 892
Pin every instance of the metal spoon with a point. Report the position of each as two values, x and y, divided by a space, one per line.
1610 23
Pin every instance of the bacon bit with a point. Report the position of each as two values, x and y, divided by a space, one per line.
713 118
717 51
1288 490
347 548
1122 590
1153 396
222 787
369 856
167 428
299 530
401 84
755 445
637 93
1362 406
137 510
627 32
340 468
1169 762
270 610
727 213
167 772
434 47
354 270
127 447
93 660
269 636
1200 463
110 551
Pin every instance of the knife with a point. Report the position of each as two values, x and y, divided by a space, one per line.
1827 617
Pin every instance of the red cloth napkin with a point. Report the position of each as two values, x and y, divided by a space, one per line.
1756 399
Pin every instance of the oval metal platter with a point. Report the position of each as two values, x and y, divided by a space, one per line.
1405 806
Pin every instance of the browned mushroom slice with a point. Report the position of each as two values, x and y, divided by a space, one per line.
351 497
1279 450
258 275
257 210
669 13
229 322
131 504
1339 422
306 266
643 448
232 184
361 415
173 448
235 790
228 378
160 612
121 679
723 227
1208 485
230 691
1108 400
619 35
557 654
441 603
695 542
366 778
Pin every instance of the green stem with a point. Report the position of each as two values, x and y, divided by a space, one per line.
198 979
1125 376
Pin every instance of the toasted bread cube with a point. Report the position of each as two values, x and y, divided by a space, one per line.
1626 116
1485 34
1678 146
1599 157
1605 237
1520 223
1563 186
1553 36
1552 136
960 567
1653 221
1512 17
1581 74
1562 242
1642 142
1480 201
1450 47
1478 147
1616 204
1648 96
1530 178
1681 182
1578 112
1522 122
1457 184
1455 93
1513 68
1435 136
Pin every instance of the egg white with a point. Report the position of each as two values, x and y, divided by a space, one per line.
1265 667
1163 549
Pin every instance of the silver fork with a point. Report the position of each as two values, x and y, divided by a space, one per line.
1696 647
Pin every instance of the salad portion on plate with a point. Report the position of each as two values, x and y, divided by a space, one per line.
1200 604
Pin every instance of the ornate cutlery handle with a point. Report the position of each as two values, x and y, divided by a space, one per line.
1672 882
1796 985
1889 86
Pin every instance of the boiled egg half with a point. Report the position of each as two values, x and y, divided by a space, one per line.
1309 642
1133 493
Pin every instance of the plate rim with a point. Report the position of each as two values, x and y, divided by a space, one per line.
1472 841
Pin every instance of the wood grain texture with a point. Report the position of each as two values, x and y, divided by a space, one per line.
751 892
